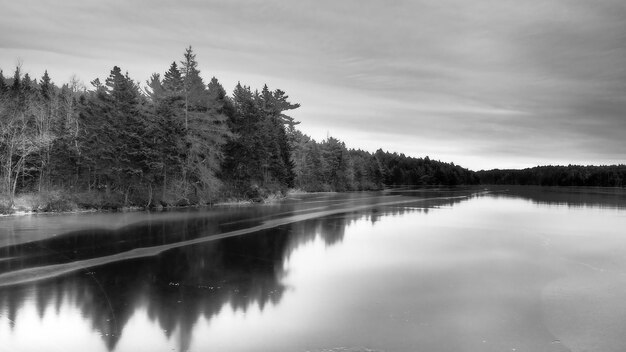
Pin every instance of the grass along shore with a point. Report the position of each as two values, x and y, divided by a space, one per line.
58 201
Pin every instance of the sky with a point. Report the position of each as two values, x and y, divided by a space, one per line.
481 83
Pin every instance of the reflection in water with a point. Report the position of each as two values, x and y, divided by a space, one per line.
597 197
180 285
519 268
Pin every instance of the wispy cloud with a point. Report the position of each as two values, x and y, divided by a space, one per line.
492 83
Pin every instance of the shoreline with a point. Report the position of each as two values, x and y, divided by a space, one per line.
16 212
269 199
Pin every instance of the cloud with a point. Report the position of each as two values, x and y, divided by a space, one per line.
492 82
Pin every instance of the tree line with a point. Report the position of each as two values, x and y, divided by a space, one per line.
329 165
176 140
571 175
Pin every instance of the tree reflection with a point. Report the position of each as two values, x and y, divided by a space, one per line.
574 197
179 286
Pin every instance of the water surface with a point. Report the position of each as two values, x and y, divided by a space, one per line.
507 269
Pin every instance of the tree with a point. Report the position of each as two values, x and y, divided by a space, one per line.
3 84
206 134
19 140
205 125
169 135
194 90
243 150
118 149
154 89
336 166
259 154
44 120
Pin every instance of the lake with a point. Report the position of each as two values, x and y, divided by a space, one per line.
454 269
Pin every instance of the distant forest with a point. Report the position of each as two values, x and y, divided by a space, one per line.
571 175
175 140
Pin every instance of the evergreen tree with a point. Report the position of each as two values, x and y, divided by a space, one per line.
154 89
206 134
202 110
336 164
44 121
117 146
194 90
173 80
276 122
46 86
243 152
3 84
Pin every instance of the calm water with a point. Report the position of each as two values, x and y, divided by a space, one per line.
508 269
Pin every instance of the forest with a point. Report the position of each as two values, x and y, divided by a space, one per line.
571 175
174 140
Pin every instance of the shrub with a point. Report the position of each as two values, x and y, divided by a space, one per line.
59 205
5 209
55 201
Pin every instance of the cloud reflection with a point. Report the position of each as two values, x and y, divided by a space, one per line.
180 286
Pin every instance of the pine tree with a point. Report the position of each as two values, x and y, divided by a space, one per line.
44 120
45 86
242 161
194 90
260 153
206 134
274 105
3 84
116 145
173 80
166 133
201 110
154 89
